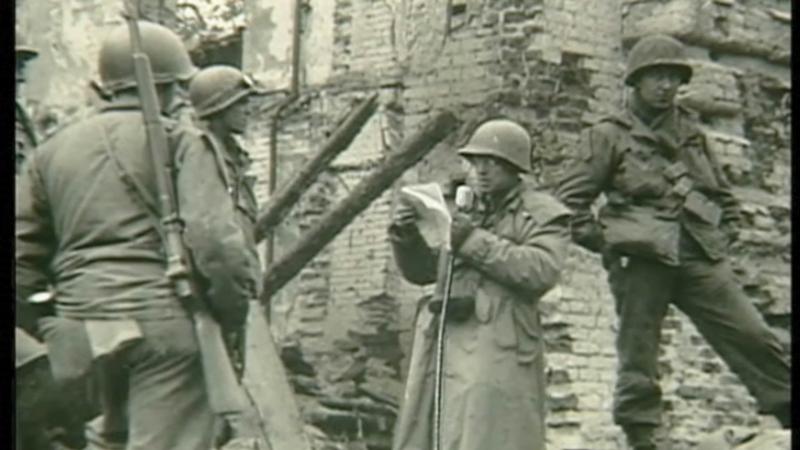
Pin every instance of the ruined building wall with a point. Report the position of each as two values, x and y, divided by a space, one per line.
554 65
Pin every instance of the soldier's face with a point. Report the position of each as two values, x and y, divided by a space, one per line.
658 85
492 175
235 116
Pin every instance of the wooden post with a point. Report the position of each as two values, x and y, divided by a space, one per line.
278 205
370 188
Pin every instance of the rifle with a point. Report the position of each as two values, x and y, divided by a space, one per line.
464 199
224 393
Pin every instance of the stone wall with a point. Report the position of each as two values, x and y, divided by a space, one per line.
553 65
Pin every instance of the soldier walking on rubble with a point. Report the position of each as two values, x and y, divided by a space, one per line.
663 234
509 251
87 225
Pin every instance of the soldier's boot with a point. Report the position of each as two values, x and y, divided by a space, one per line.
640 437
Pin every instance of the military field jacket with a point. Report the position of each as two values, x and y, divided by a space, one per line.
234 163
632 164
85 221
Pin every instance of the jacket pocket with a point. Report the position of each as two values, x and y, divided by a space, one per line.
68 348
529 332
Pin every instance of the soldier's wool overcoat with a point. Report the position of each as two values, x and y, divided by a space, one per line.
494 365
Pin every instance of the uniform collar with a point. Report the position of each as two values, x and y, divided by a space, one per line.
510 200
231 147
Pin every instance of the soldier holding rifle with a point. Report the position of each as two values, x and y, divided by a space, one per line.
508 252
90 222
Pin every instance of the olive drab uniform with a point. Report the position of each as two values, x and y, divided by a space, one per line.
663 236
494 378
234 162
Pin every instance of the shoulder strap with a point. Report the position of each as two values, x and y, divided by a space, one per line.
132 185
542 206
217 150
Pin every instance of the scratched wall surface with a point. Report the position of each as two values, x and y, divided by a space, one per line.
555 66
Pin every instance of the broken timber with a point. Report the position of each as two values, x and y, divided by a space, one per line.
370 188
279 204
266 383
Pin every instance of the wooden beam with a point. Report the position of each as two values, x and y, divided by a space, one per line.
279 204
268 387
413 149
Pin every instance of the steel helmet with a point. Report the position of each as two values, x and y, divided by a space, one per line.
657 50
502 139
216 87
21 48
168 56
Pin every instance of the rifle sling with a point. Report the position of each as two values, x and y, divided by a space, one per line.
134 187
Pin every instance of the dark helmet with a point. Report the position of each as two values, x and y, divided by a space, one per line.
216 87
21 48
502 139
657 50
168 56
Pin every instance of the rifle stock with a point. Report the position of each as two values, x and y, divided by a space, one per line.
223 390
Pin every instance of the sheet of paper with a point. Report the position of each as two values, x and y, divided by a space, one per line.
434 217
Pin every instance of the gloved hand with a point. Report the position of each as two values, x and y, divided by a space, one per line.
404 217
460 228
589 236
458 308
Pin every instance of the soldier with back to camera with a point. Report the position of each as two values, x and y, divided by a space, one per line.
88 225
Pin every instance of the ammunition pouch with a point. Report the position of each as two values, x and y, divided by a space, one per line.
694 202
639 231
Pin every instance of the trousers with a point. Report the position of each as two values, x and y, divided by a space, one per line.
707 292
158 385
47 412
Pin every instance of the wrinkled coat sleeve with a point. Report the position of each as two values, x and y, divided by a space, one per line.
35 237
415 259
212 234
584 181
532 266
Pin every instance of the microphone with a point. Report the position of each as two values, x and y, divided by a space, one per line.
465 198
